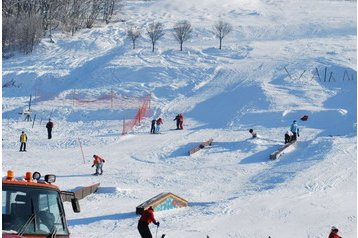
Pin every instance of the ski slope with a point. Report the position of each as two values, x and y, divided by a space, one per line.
233 189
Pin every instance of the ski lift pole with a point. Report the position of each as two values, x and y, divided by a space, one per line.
83 156
30 102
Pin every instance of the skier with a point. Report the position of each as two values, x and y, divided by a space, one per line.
152 128
181 121
254 134
177 119
49 127
158 122
295 130
333 234
144 221
98 162
23 140
288 136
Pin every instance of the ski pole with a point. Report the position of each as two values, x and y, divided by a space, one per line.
156 232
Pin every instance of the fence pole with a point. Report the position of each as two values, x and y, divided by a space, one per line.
344 75
325 74
302 74
33 122
318 74
83 156
123 129
288 73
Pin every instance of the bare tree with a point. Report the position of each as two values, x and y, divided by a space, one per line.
29 33
133 34
94 8
182 32
155 31
108 8
221 29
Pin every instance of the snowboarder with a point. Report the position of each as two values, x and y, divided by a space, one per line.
144 221
333 234
177 119
158 122
23 140
49 127
152 128
254 134
98 162
295 130
288 136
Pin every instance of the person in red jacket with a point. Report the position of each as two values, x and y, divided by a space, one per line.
334 232
144 221
158 122
181 121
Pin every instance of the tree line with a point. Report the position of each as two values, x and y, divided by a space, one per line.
25 22
182 31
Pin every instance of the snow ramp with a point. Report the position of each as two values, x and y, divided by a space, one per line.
161 202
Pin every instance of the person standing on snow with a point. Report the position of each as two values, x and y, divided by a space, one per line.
98 162
49 127
295 130
144 221
23 140
333 234
177 119
181 121
152 128
159 122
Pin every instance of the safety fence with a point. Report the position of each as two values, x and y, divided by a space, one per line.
141 113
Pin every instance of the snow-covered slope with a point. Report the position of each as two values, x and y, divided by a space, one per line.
232 188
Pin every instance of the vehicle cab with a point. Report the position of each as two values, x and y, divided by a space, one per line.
32 207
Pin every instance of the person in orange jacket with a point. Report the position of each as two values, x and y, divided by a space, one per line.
333 234
144 221
98 162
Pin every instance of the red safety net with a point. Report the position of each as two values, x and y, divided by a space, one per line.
141 113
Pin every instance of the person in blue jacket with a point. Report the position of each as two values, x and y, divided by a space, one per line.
295 130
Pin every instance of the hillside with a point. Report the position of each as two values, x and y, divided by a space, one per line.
283 59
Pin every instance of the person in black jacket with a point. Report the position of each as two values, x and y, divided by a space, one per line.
152 128
49 127
177 118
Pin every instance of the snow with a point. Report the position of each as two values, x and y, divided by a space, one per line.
233 189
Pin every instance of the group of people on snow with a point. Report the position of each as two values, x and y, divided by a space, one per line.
156 123
155 127
23 136
179 121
